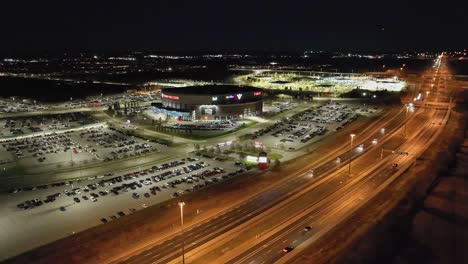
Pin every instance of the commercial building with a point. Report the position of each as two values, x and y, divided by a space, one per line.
210 102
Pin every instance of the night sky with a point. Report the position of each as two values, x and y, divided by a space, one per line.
274 25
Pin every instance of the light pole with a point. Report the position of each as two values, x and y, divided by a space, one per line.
350 151
181 205
406 118
427 94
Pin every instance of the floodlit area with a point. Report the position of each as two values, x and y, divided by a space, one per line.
22 126
84 203
310 125
83 145
21 105
319 82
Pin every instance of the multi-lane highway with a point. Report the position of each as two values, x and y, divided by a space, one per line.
368 183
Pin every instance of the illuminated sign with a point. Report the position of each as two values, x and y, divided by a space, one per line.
231 96
172 97
257 93
214 98
252 159
208 110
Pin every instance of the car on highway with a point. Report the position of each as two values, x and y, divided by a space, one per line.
144 205
288 249
307 228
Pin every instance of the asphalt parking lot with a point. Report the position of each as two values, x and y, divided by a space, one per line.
212 125
32 213
18 105
86 145
13 106
10 127
310 125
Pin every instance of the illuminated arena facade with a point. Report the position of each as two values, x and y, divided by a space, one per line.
210 102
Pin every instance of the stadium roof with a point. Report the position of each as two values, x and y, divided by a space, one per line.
211 89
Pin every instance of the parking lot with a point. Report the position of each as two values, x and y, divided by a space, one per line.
13 106
277 107
81 204
81 146
309 125
201 125
17 105
10 127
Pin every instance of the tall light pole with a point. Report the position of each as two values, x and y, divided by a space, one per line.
181 205
427 94
406 118
350 151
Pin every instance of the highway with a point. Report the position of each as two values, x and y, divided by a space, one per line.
324 216
338 205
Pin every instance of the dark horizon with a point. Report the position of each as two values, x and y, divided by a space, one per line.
268 26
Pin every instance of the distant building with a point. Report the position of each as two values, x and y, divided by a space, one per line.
210 102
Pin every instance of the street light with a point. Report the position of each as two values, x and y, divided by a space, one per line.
427 94
181 205
350 151
406 117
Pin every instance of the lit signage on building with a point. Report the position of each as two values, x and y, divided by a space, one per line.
214 98
171 97
257 93
231 96
252 159
208 110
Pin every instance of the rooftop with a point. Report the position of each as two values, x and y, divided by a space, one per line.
211 89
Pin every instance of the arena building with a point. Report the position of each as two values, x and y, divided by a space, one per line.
210 102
